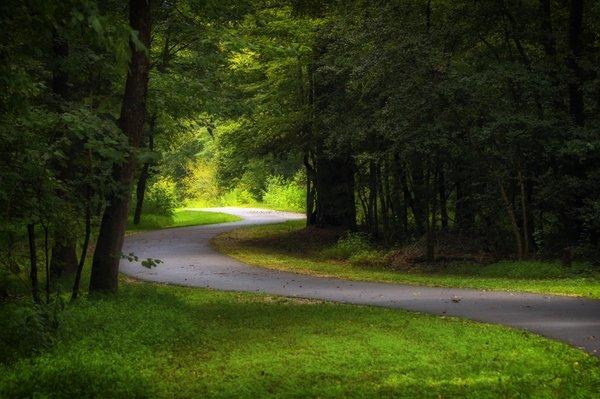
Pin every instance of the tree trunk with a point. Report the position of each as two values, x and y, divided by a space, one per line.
335 192
84 249
419 188
33 272
46 262
144 175
431 216
464 209
373 194
310 190
105 265
513 220
524 211
443 197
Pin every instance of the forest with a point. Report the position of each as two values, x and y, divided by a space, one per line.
424 141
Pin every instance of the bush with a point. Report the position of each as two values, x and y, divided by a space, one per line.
369 258
284 195
237 196
26 328
349 245
161 198
199 185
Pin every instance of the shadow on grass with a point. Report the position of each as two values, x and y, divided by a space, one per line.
160 341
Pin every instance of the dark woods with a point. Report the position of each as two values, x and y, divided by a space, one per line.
67 160
471 120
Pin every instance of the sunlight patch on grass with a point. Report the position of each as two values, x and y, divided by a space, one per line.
181 218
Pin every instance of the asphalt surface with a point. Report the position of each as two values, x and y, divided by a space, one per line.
189 260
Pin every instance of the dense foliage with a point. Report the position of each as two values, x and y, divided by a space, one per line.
461 127
475 123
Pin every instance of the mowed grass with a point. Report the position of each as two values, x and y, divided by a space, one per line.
279 246
174 342
182 217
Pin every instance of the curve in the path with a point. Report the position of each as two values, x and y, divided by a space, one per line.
189 260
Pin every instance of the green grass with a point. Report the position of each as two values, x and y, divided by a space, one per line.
174 342
248 204
181 218
280 247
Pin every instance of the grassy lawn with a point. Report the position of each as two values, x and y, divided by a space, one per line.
174 342
282 247
181 218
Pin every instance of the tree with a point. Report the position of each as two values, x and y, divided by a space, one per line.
105 266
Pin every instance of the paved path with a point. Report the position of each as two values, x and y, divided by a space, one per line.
189 260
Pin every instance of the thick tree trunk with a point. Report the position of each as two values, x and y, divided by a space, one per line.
105 265
335 192
33 271
144 175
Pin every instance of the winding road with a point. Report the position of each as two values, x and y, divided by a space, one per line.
189 260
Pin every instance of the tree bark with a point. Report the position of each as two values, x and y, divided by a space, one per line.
443 197
84 249
310 190
335 192
419 188
524 211
430 215
464 207
144 175
105 265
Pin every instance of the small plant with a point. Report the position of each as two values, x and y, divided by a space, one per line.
27 328
351 244
369 258
161 198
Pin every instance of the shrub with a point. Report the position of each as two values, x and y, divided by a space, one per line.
161 198
351 244
26 328
237 196
199 185
370 258
284 195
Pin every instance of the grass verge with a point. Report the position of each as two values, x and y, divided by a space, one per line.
173 342
182 217
286 246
